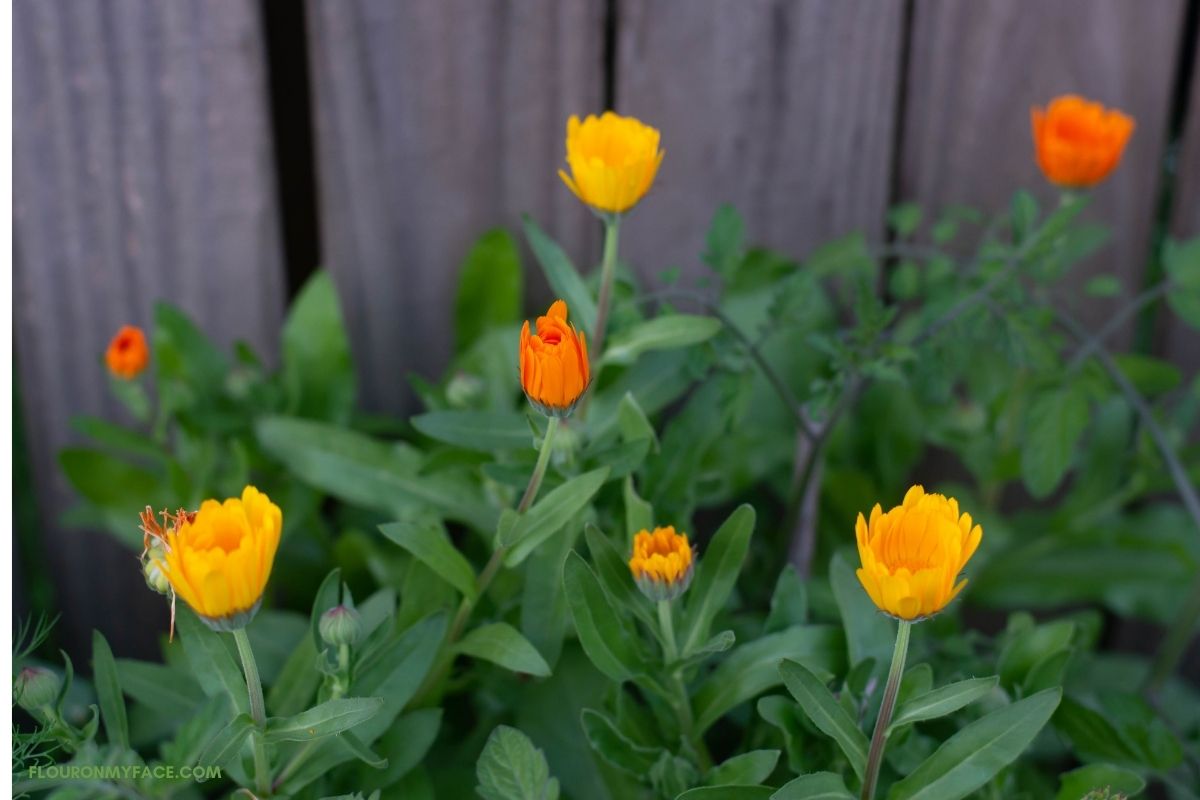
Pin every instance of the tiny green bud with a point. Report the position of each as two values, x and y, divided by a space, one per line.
36 688
340 625
155 578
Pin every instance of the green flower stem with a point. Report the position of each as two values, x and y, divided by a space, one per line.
608 267
258 712
671 650
336 691
879 739
430 687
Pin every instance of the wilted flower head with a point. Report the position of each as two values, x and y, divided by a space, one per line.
913 554
662 563
1079 142
554 363
127 353
613 161
219 559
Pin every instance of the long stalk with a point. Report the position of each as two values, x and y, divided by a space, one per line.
608 267
463 615
258 712
879 738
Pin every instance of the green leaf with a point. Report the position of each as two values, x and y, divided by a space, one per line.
511 768
225 745
426 539
489 288
846 256
406 743
716 575
1077 783
120 438
725 242
943 701
166 689
789 602
869 634
639 515
1150 376
605 639
904 219
182 351
1181 260
613 570
327 719
108 691
616 748
747 769
109 482
212 662
633 422
329 594
370 473
317 369
486 431
661 333
826 713
971 757
728 793
503 644
752 668
815 786
550 515
396 671
1026 647
562 276
1055 421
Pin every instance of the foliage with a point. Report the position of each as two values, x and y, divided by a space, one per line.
760 410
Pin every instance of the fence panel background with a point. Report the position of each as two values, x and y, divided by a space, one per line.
144 158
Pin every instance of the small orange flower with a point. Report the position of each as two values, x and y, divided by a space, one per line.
613 161
1079 142
554 363
662 563
127 353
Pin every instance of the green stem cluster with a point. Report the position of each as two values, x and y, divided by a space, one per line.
891 690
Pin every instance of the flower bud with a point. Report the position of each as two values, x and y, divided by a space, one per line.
36 688
156 579
662 563
340 625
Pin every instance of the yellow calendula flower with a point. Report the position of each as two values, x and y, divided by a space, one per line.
662 563
219 559
912 555
613 161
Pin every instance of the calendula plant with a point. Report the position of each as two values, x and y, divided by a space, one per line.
613 557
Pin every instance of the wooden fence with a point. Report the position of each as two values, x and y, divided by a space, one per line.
147 141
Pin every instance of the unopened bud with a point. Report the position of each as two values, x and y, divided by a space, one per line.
156 579
340 625
36 688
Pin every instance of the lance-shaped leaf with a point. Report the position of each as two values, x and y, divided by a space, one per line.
943 701
108 691
602 632
716 575
971 757
330 717
661 333
815 786
228 741
503 644
486 431
550 515
562 276
426 539
615 747
826 713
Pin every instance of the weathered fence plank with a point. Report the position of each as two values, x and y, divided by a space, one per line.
1180 343
785 110
977 68
142 171
435 121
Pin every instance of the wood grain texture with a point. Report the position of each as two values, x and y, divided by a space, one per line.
435 121
784 109
977 68
142 171
1179 342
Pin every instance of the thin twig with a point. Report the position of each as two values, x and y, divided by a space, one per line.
1115 322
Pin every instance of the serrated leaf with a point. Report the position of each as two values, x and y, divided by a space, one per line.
511 768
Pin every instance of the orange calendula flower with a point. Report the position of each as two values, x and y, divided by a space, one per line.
127 353
219 559
913 554
613 160
1079 142
554 363
662 563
